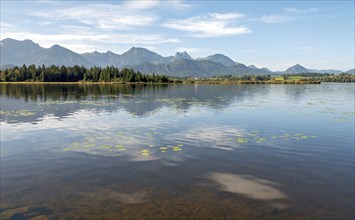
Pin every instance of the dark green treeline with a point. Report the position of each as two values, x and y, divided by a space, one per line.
77 73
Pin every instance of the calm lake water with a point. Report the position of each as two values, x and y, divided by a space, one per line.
177 151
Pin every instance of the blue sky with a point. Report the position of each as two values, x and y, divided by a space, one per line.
272 34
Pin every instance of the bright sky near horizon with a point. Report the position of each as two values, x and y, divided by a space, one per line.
272 34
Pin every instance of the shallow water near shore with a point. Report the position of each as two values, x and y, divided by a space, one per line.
177 151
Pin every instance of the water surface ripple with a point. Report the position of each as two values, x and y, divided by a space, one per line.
177 151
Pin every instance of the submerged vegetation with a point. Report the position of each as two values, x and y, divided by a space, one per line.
127 75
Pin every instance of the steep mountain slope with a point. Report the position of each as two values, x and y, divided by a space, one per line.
267 70
57 55
137 55
14 52
102 59
200 68
296 69
219 58
241 69
183 55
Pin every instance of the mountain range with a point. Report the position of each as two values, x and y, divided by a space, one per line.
17 53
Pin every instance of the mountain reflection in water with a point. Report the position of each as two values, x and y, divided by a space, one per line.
113 151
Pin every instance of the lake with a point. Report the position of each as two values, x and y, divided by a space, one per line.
177 151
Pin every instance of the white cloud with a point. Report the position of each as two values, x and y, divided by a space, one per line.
88 41
110 16
275 18
226 16
193 49
211 136
45 23
154 4
143 39
89 27
251 187
102 16
178 4
140 5
304 11
211 25
4 26
288 14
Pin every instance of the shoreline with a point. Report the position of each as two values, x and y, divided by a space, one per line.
170 83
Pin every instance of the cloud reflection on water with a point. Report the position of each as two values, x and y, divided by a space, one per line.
213 136
250 187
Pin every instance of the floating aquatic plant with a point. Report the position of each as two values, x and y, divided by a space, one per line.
242 140
176 148
18 113
145 152
299 134
113 143
120 147
260 140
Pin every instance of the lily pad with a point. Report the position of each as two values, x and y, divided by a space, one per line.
260 140
176 148
299 134
242 140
